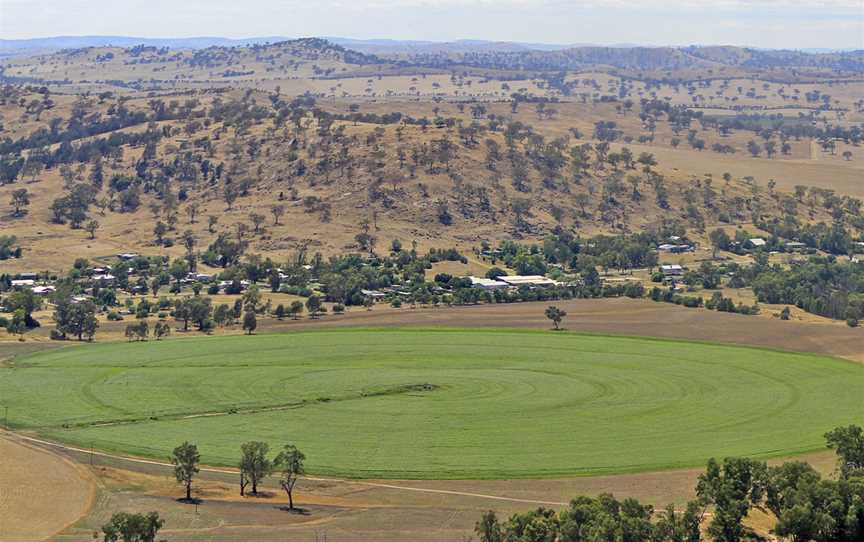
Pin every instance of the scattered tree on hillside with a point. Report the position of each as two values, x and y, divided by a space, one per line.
192 212
719 241
257 220
278 211
20 201
91 228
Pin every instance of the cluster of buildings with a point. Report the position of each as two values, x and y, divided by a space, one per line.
676 245
512 281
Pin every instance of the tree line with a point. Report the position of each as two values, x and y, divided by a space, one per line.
805 506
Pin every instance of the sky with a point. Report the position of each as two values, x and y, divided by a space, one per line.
757 23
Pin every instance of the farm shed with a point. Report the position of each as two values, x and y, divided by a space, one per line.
528 280
674 270
487 284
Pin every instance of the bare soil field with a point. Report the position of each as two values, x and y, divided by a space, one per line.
619 317
41 493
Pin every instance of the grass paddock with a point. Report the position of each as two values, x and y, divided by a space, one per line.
453 403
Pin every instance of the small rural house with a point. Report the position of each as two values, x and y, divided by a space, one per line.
757 242
673 270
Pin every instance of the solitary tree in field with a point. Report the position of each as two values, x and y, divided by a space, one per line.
125 527
20 200
185 459
296 309
250 321
556 315
91 228
290 462
254 465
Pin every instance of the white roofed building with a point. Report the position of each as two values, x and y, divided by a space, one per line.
528 280
673 270
487 284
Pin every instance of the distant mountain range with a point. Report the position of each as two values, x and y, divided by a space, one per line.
77 42
369 46
510 56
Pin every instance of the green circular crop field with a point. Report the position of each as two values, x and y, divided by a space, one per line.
438 403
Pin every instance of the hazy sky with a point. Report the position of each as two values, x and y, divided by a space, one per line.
761 23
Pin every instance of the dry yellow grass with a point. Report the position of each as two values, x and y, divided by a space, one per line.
41 493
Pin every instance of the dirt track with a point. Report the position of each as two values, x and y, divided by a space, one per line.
347 509
41 493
